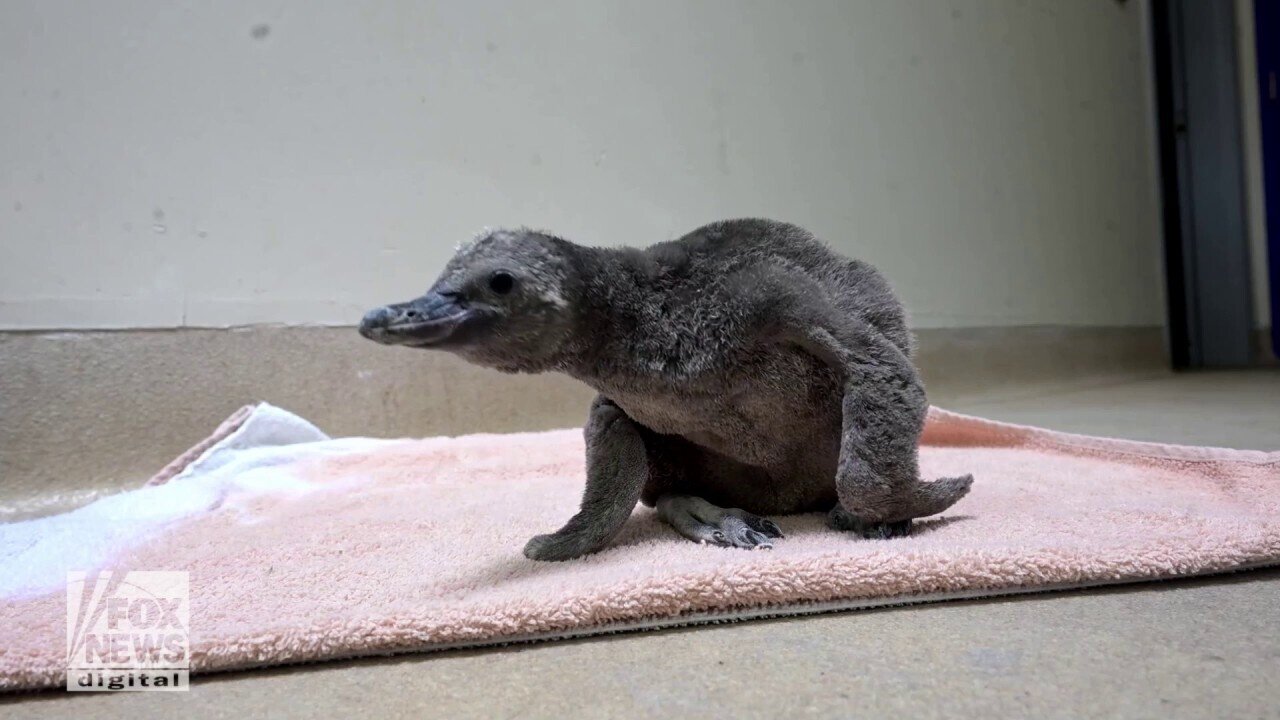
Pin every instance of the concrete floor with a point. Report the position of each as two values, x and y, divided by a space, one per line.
1196 648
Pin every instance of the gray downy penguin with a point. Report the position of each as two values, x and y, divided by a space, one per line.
742 370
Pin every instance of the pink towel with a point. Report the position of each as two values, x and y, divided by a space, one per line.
300 547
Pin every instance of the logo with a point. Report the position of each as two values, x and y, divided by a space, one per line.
128 631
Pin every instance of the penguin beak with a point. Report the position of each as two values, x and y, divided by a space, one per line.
426 321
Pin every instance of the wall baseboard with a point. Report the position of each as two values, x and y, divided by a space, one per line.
90 412
1262 352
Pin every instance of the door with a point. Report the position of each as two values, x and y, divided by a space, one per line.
1202 178
1267 39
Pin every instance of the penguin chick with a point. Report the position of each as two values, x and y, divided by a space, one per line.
743 370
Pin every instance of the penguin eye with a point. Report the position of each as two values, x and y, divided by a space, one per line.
501 282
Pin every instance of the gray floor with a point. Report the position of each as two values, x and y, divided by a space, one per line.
1197 649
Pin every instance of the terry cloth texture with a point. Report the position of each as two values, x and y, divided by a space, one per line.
300 547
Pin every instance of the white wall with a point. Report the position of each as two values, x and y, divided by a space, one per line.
161 166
